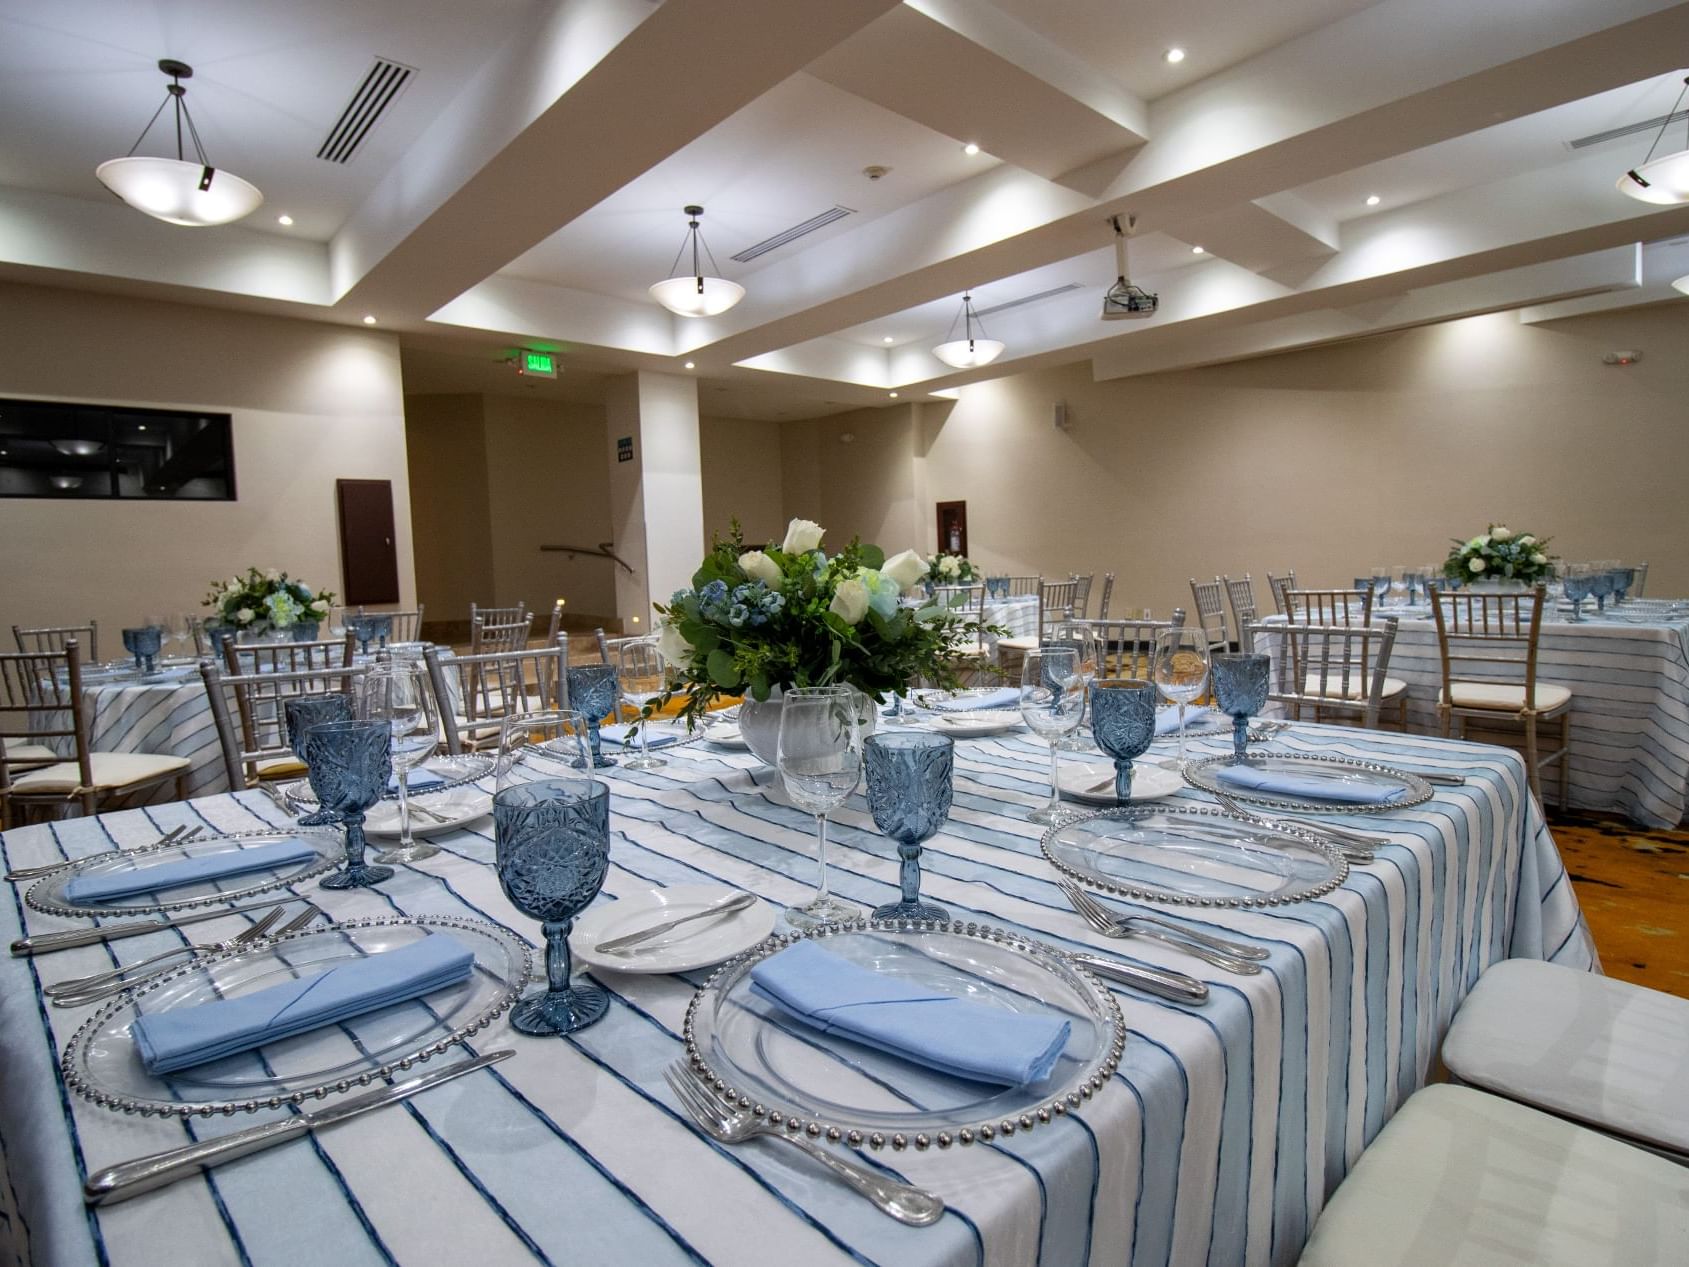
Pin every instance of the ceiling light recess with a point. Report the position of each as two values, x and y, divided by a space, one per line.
1174 56
967 352
173 189
1662 181
1124 301
696 295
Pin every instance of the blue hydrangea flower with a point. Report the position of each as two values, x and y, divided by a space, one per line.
738 614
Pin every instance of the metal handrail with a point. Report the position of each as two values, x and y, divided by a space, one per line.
602 552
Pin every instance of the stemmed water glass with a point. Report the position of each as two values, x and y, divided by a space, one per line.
820 762
1180 670
397 693
644 676
1052 699
1623 578
1240 688
1082 637
593 690
910 777
299 714
541 745
365 627
1123 724
1601 586
349 763
1575 583
552 842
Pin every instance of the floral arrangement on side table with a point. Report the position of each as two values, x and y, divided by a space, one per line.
1500 555
788 615
952 569
269 600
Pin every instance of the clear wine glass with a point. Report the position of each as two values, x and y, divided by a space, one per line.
1052 700
397 692
1401 583
644 676
1079 635
1180 671
542 745
820 761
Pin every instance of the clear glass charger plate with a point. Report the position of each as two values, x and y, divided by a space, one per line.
1202 772
101 1062
468 767
1192 855
830 1088
47 895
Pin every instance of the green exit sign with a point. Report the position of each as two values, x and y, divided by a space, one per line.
539 364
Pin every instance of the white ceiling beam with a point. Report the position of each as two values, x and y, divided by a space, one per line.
1266 233
519 308
1658 265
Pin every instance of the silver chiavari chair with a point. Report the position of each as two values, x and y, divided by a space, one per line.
1210 604
54 637
288 657
974 649
1334 669
1240 594
252 735
1082 595
1126 644
496 615
1279 583
1108 593
475 693
407 625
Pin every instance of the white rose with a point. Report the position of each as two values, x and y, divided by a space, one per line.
672 646
245 615
1476 565
850 601
759 567
1527 540
905 568
949 566
1501 533
272 574
802 536
319 605
1539 559
1478 542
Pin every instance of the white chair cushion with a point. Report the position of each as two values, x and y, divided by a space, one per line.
1506 697
24 753
1462 1179
1357 688
1605 1052
280 767
110 770
1019 644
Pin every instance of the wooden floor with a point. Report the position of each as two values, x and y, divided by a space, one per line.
1633 885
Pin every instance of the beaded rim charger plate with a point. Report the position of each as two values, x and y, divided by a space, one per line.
831 1089
1410 789
468 767
1192 855
101 1061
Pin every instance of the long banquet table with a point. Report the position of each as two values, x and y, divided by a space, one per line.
1218 1141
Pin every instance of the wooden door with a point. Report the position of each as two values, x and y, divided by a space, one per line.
369 560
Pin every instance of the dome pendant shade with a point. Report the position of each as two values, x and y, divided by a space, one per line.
1664 181
180 192
176 190
965 354
696 295
1681 285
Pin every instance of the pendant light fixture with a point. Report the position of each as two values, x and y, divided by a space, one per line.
696 295
174 189
1663 181
968 352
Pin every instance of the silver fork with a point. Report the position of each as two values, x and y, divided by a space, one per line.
1109 924
729 1124
1355 846
92 989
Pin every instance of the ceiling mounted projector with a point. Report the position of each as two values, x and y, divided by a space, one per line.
1125 301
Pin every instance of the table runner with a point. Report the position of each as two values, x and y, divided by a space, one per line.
1217 1141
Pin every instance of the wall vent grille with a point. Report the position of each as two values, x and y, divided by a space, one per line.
384 82
786 236
1027 299
1630 129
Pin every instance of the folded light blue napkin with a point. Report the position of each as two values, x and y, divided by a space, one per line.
1308 786
969 1040
1005 697
1167 719
108 885
182 1037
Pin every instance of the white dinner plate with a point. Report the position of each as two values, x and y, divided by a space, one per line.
459 806
726 735
1093 782
965 725
694 945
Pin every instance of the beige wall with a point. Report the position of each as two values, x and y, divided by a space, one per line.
311 403
447 447
1374 452
742 478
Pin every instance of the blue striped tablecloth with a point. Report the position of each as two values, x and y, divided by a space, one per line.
1218 1141
1630 705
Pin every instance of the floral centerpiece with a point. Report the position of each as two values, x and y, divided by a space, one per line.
945 568
261 602
1500 555
758 621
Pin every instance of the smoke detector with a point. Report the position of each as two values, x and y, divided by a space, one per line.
1124 301
874 171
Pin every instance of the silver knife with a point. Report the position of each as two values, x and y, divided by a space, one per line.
35 873
143 1174
1163 982
738 902
41 943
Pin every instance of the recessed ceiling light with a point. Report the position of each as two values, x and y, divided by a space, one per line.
970 149
691 365
1372 200
369 320
888 339
1196 250
1173 56
893 395
284 220
142 426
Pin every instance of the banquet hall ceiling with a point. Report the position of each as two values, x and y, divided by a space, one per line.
526 186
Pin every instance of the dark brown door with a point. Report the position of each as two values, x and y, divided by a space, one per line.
369 561
953 527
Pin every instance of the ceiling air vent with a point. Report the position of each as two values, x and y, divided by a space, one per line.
1026 299
383 83
1629 129
785 236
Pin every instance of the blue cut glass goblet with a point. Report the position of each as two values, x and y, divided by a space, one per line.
349 764
553 843
910 781
1601 586
302 712
593 692
1623 579
1575 583
365 627
143 644
1123 724
1240 688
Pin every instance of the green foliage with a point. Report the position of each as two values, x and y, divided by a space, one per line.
1519 557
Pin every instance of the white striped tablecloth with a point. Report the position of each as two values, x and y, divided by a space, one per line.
1218 1141
1629 680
